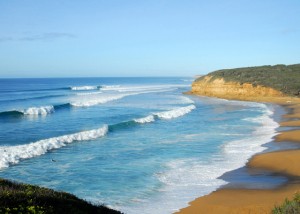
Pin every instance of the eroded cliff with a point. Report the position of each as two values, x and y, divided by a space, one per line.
218 87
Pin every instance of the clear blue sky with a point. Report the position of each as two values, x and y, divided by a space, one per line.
61 38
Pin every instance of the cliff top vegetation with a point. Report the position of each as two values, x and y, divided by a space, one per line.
25 198
284 78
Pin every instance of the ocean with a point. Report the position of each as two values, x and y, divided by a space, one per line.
138 145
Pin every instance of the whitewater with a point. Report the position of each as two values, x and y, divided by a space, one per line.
138 145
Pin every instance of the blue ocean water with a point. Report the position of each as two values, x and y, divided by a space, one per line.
138 145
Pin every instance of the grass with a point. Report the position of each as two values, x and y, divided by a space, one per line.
284 78
289 206
30 199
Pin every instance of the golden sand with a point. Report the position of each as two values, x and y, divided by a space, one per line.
240 201
293 136
285 162
251 201
290 123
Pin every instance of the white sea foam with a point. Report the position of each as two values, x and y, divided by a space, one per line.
105 87
183 181
97 100
84 88
186 179
14 154
147 119
108 98
212 100
89 93
43 110
140 88
186 100
178 112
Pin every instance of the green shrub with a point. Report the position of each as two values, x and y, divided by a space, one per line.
289 206
30 199
280 77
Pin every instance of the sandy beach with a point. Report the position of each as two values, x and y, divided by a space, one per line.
285 162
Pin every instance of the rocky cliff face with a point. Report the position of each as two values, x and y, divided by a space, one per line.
232 90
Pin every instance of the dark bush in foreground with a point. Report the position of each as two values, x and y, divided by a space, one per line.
289 207
284 78
25 198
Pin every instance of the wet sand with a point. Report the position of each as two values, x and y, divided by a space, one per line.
290 123
251 201
282 162
293 136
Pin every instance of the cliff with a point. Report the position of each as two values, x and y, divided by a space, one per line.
252 83
232 90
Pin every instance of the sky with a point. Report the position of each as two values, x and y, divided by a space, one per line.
119 38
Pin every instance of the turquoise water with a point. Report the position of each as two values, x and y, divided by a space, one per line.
134 144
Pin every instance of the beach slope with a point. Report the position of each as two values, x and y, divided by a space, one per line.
282 89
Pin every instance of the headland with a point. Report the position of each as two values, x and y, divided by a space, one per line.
280 85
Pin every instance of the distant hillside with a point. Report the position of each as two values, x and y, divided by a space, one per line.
283 78
25 198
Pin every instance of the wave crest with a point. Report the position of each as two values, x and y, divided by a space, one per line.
43 110
13 154
84 88
178 112
147 119
97 101
89 93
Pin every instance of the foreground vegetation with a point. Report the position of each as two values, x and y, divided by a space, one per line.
25 198
289 206
280 77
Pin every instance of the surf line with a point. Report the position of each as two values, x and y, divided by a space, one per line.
11 155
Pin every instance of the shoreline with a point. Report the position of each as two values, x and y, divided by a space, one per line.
282 162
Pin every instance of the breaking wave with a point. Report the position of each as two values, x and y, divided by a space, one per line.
178 112
200 177
139 88
105 99
89 93
13 154
43 110
97 101
147 119
84 88
171 114
35 111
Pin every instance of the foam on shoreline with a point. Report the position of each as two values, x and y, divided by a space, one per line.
230 200
186 179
